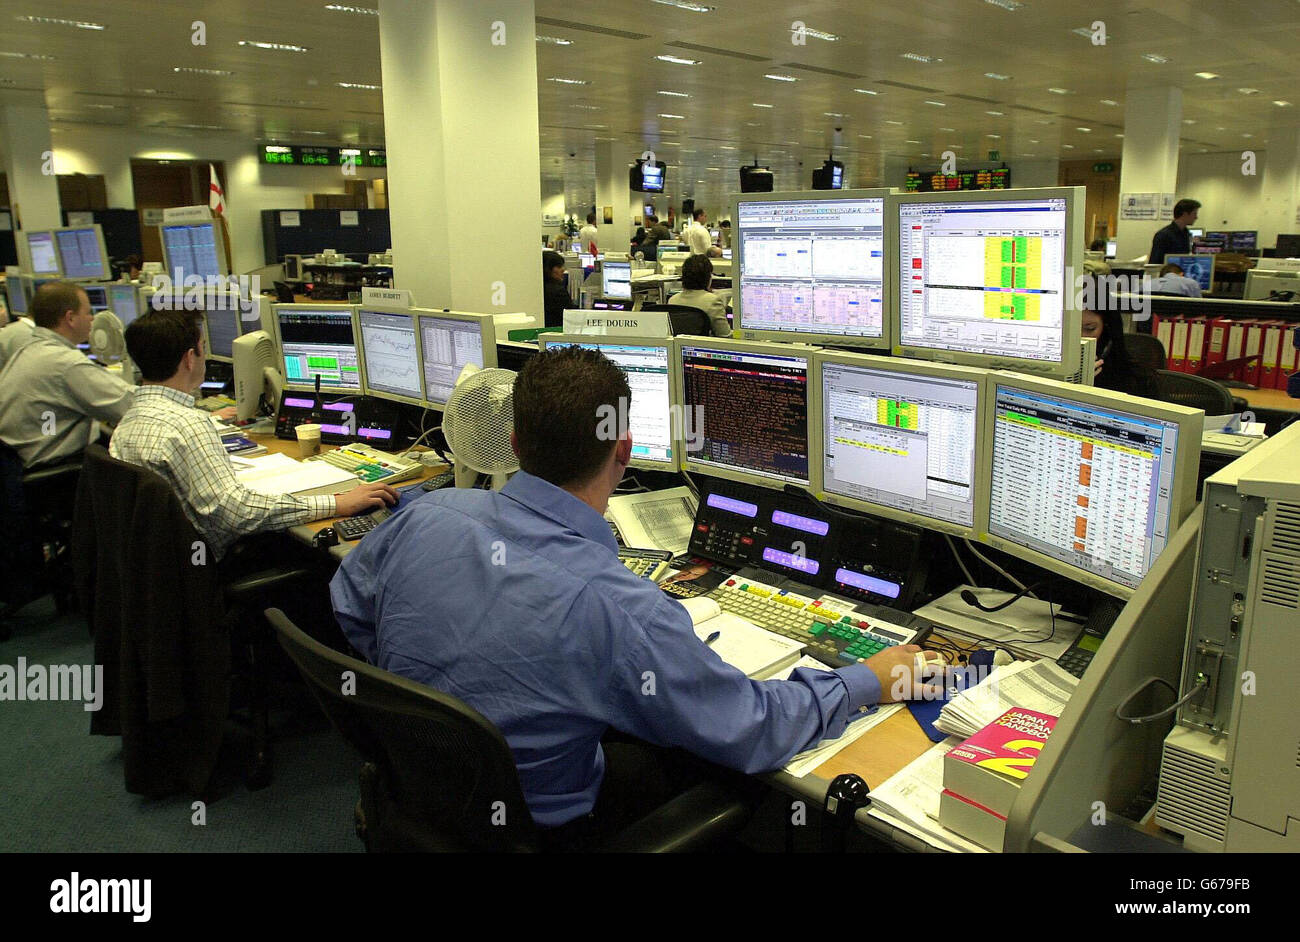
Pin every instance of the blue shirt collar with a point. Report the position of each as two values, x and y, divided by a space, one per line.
561 506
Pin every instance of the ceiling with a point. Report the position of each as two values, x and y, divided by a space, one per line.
860 95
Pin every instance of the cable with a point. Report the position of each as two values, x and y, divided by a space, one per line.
970 580
1201 686
996 568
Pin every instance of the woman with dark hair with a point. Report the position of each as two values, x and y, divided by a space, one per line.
1114 368
637 240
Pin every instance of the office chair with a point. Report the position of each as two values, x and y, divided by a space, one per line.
1146 351
1188 389
684 319
283 293
36 520
436 772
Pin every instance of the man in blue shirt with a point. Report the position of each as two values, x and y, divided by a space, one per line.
516 603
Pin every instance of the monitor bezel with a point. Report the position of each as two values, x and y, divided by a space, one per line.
814 338
105 270
279 348
922 368
218 236
1070 314
1212 256
773 348
674 387
487 336
57 274
1184 499
369 390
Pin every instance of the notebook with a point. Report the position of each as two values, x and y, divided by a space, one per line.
742 644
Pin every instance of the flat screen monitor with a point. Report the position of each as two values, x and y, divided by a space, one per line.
450 341
1288 245
221 316
1200 268
982 277
1195 233
811 267
1087 482
124 301
616 279
745 408
318 340
647 365
1239 240
899 438
390 353
16 288
587 260
193 249
82 251
1112 246
43 253
98 298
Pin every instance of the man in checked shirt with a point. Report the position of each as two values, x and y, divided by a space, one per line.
163 431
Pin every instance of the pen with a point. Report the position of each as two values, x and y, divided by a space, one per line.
713 637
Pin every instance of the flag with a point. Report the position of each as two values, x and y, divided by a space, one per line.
216 197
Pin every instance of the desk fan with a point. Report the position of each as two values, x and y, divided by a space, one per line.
477 423
108 343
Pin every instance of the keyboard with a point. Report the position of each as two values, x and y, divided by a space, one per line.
371 464
354 528
834 633
648 563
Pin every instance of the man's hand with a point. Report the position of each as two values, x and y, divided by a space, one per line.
363 498
901 675
226 414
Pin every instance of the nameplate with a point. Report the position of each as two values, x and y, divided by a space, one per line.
390 297
1278 264
176 214
617 323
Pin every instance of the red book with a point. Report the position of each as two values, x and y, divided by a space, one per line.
1271 354
988 767
1254 348
1216 341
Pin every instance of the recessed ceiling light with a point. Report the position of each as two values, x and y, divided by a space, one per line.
676 116
912 142
277 47
198 127
1153 57
27 55
669 144
1207 75
684 5
1082 31
554 41
675 94
55 21
867 136
1109 101
937 104
996 75
1281 104
725 147
1249 91
866 91
1068 146
1034 141
569 81
195 71
996 137
1099 150
678 60
586 107
1119 135
753 124
359 11
1084 130
1059 91
712 168
1189 120
759 104
820 34
832 114
917 57
996 114
780 78
100 107
952 130
1247 135
360 86
891 121
1011 5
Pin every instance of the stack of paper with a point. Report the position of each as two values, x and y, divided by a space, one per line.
279 474
742 644
1033 685
909 800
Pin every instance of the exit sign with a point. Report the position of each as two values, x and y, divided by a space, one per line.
1103 168
995 155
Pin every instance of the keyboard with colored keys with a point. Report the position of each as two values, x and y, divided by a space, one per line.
648 563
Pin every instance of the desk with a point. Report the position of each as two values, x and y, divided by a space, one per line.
1275 399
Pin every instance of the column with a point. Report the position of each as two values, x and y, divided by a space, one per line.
1153 119
612 159
29 165
464 173
1280 191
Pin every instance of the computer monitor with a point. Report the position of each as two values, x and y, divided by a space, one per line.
124 301
19 291
97 296
390 347
899 438
43 253
221 319
812 267
449 341
981 277
82 251
318 340
1112 247
1195 233
196 248
1200 268
1239 240
647 364
745 407
586 260
1086 482
1288 245
616 279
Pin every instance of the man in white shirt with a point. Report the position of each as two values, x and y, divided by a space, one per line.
697 278
165 433
696 235
1173 280
14 335
51 394
587 235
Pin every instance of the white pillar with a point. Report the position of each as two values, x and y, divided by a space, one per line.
612 159
29 165
1280 193
464 175
1153 118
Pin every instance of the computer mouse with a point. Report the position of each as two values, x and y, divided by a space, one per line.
325 538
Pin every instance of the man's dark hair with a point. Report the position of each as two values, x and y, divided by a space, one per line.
158 339
1097 245
696 272
549 261
54 299
652 219
564 398
591 218
1169 267
1183 207
697 214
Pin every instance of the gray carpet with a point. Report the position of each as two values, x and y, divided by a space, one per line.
61 789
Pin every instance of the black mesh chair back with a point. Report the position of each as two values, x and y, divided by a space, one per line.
444 778
1197 392
1146 351
283 293
684 319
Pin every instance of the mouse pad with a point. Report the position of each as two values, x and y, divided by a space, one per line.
925 712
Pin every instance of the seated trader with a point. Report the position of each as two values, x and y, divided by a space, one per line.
697 278
1114 368
1174 239
551 638
1173 280
696 235
51 394
163 432
555 295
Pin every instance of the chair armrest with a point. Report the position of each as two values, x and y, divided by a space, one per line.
42 475
691 820
247 588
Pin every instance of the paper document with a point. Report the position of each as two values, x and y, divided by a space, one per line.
909 800
279 474
742 644
655 520
1037 685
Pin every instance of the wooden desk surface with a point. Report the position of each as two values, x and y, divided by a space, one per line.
1268 399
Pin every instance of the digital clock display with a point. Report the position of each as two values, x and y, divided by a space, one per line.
297 155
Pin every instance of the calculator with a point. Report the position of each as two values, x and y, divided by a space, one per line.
354 528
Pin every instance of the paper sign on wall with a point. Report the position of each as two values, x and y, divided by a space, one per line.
349 217
290 217
81 219
1139 205
153 217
